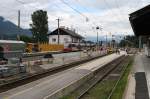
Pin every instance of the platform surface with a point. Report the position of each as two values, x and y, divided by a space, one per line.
141 64
48 85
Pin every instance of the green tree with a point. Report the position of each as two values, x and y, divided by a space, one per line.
131 41
39 26
25 38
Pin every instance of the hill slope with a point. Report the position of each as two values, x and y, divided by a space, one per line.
9 29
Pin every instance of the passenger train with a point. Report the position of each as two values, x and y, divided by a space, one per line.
10 45
10 49
11 57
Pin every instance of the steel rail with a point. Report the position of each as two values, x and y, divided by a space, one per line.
116 63
42 74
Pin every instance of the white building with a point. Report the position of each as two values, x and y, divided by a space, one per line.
66 37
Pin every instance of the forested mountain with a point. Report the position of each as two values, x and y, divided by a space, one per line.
9 30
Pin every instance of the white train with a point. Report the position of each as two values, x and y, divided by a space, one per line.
12 45
11 49
10 57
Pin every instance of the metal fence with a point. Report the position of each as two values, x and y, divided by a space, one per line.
57 60
35 62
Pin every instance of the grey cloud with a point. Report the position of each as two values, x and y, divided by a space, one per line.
111 14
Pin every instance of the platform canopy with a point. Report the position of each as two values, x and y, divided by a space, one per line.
140 21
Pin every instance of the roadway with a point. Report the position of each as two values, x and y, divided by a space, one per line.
51 84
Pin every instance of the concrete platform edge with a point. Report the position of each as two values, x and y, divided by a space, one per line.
66 90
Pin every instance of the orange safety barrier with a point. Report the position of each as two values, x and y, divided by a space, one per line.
50 47
45 47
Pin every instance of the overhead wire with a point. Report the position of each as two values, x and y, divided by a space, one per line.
11 15
93 22
115 15
119 10
112 12
21 2
75 10
128 10
24 3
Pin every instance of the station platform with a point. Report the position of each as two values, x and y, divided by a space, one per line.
139 78
54 86
60 60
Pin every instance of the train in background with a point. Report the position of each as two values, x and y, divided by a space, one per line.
10 49
12 45
11 57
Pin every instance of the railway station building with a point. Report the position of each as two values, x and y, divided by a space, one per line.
140 22
66 37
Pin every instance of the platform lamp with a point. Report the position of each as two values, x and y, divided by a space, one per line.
97 28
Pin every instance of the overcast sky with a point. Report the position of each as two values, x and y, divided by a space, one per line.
111 15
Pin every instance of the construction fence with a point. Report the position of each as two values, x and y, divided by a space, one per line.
45 47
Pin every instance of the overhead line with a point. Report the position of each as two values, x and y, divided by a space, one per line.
75 9
93 23
20 1
118 18
117 5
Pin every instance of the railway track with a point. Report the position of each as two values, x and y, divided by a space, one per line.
42 74
115 66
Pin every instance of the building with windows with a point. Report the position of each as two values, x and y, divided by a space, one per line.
66 37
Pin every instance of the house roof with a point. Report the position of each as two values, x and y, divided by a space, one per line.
11 41
140 21
64 31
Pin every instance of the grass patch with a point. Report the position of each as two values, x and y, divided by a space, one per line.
103 89
100 91
119 91
72 95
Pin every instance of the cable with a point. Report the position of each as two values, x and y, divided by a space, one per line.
117 6
117 17
21 2
75 10
93 23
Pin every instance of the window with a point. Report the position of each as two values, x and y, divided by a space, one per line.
53 40
65 39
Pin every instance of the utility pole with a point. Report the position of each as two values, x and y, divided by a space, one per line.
97 38
101 34
112 41
97 28
18 37
106 40
18 18
58 30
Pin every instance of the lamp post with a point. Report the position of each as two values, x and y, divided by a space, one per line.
101 33
106 40
97 28
58 31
